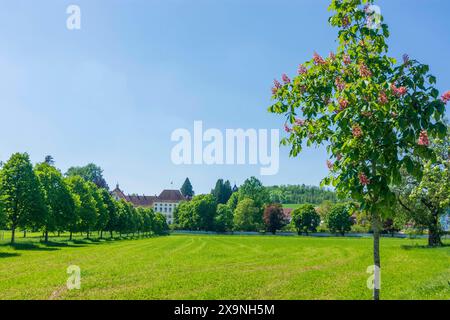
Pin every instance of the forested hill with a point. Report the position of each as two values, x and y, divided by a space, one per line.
300 194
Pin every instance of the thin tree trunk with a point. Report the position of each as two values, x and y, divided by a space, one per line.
376 256
13 235
46 236
24 233
101 234
70 237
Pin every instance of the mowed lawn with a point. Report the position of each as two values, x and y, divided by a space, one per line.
223 267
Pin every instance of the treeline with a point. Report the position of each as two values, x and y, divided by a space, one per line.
226 208
300 194
251 208
41 198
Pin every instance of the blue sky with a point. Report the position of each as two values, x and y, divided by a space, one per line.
112 92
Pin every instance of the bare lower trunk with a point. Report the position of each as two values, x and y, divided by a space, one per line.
376 257
13 235
434 234
101 234
70 237
24 233
46 236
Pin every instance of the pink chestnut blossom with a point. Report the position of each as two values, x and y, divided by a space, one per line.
446 97
302 69
299 122
330 165
405 59
399 92
332 56
382 98
285 78
423 139
318 60
276 84
364 71
287 129
347 59
357 131
340 84
363 179
343 104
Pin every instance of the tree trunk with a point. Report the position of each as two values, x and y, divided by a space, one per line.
24 233
13 235
46 236
434 235
101 234
376 256
70 237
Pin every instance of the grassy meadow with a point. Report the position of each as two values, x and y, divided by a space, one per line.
222 267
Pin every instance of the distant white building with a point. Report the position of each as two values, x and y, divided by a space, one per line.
165 203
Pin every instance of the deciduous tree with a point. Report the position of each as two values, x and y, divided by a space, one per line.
274 218
223 220
339 218
373 113
86 210
59 203
21 196
305 219
90 172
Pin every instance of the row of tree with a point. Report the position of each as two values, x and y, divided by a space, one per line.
41 198
251 207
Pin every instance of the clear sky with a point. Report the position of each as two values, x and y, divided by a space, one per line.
112 92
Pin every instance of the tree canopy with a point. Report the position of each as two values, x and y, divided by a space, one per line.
90 172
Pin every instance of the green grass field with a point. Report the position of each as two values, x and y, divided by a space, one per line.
291 205
222 267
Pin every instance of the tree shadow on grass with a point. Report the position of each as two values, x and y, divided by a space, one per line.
52 244
8 254
27 246
87 241
418 246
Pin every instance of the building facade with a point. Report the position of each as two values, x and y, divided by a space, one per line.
165 203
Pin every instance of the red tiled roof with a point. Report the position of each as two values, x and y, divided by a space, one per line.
148 201
141 201
171 195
